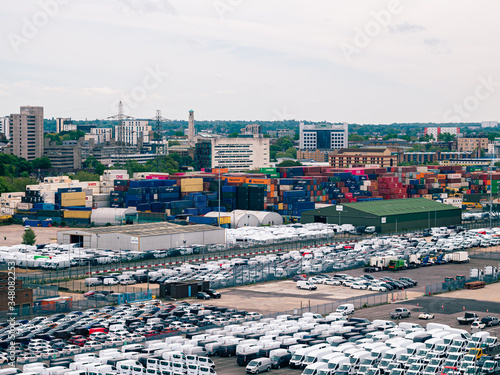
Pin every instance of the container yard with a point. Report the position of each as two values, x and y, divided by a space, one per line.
199 197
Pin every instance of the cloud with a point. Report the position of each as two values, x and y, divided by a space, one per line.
437 46
406 27
146 6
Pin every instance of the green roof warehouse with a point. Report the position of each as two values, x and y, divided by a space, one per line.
388 215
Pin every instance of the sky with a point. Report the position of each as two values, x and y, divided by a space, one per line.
363 61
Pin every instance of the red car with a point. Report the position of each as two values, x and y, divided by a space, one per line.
151 334
80 342
74 338
90 293
169 330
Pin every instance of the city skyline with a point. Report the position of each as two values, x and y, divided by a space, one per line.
369 63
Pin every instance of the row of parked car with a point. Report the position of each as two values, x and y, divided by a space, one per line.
94 329
364 282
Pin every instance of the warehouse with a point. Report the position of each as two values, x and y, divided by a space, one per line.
388 215
144 237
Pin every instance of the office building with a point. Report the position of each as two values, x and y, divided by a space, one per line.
489 124
133 132
99 135
236 154
351 157
65 156
26 130
471 144
280 133
323 136
252 129
436 131
320 156
4 126
64 125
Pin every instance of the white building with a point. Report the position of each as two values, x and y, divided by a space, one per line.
324 136
99 135
65 125
4 126
240 154
489 124
436 131
132 131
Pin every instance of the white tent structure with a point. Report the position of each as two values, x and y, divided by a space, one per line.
114 216
241 218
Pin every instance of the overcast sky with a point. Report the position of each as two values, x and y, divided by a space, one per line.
363 61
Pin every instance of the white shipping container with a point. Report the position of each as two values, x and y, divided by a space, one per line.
24 206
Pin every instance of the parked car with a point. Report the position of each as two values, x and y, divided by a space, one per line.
202 295
400 313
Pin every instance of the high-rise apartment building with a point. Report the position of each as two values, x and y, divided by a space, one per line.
323 136
26 131
4 126
436 131
133 131
64 125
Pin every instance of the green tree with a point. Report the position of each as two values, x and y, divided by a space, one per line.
29 237
94 164
356 137
41 163
446 137
291 152
173 143
179 133
289 163
233 135
85 176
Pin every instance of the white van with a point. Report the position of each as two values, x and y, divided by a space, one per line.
93 281
304 284
346 309
126 280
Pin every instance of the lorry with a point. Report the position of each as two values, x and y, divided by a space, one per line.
460 257
382 262
397 265
468 318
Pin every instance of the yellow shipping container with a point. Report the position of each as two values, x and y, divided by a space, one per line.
280 206
77 214
73 199
191 181
192 189
225 220
73 203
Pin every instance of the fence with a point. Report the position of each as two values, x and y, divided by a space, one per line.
242 249
492 253
74 305
358 302
454 285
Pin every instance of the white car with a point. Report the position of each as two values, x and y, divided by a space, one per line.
358 286
377 288
426 316
332 282
477 324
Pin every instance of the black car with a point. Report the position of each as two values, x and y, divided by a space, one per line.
213 293
490 321
202 295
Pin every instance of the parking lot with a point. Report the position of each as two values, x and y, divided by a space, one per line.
446 308
274 297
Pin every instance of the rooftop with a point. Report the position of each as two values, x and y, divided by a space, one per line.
399 206
152 229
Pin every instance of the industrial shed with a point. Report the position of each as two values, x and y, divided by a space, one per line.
144 237
388 215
